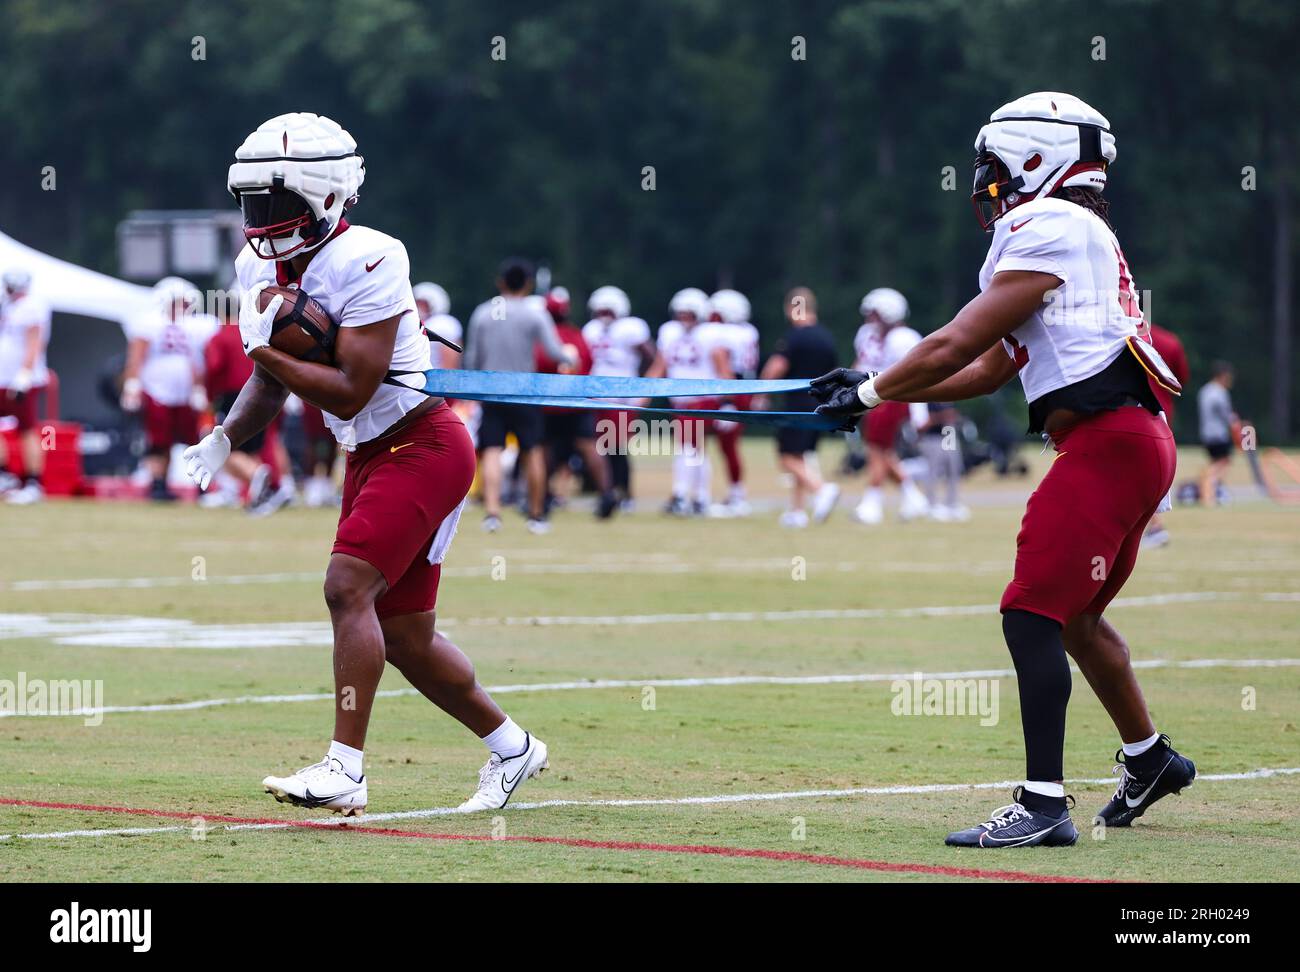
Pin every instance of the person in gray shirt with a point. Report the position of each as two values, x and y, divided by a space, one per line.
1214 405
503 333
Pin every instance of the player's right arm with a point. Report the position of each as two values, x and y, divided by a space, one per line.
259 401
983 376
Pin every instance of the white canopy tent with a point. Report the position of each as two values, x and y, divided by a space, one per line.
71 289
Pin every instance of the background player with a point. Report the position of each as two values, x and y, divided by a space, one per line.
881 341
435 315
570 431
1058 306
24 335
689 347
410 459
730 312
1170 347
620 345
163 379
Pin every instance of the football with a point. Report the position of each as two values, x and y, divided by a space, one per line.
302 327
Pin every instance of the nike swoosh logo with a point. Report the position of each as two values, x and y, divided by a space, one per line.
402 446
1014 226
1147 792
371 266
508 784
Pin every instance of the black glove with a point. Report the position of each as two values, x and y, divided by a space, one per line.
838 394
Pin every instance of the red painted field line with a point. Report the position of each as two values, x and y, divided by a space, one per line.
618 845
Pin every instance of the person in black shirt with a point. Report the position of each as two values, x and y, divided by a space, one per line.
806 350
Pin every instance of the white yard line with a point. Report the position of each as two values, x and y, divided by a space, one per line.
641 565
722 798
110 631
692 682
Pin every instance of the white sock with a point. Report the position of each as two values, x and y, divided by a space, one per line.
1138 748
705 481
1046 789
910 490
682 475
349 758
872 495
506 739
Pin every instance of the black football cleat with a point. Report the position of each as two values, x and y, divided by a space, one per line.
1018 826
1163 771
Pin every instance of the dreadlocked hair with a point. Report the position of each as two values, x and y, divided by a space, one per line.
1089 199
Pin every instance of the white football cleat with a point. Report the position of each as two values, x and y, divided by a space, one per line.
26 495
322 785
824 501
869 511
794 519
499 778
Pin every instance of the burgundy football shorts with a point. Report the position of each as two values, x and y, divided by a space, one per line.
1083 525
397 491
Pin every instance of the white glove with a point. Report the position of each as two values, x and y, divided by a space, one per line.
198 398
255 325
132 395
21 382
571 356
204 459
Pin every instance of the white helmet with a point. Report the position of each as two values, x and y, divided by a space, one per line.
294 178
16 280
692 300
170 291
610 299
731 306
1036 145
434 296
887 303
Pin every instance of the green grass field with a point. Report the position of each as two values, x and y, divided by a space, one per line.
169 606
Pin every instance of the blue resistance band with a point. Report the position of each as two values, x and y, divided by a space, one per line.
583 391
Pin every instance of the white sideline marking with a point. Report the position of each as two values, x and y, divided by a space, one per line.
111 631
596 564
650 802
662 565
692 682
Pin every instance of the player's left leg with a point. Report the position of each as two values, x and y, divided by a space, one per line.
443 674
1076 547
1150 768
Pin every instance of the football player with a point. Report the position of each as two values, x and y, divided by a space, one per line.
691 347
24 334
731 312
1059 308
410 460
882 340
620 345
163 378
435 317
569 431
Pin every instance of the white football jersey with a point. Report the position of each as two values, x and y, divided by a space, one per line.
688 352
17 318
360 277
1082 326
743 345
615 347
878 349
445 326
174 353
